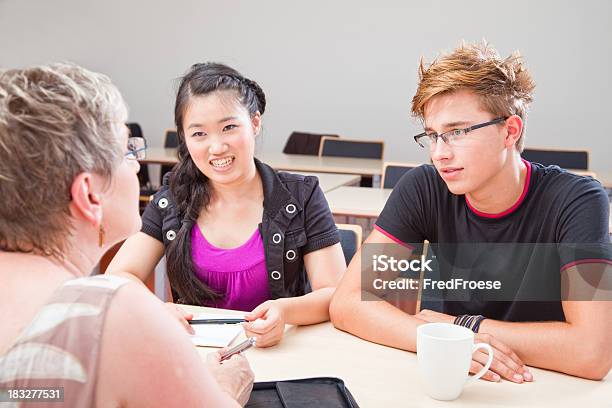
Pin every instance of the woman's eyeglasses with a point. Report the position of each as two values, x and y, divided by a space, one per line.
137 148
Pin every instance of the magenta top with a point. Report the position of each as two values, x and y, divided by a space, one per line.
238 274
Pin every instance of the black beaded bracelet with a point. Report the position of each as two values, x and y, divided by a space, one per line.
471 322
459 320
476 326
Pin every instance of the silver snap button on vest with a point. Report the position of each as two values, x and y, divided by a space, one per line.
290 208
290 255
163 203
170 235
276 238
275 275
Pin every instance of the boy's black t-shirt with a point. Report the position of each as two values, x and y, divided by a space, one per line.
556 207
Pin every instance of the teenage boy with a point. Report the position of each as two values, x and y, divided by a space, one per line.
473 106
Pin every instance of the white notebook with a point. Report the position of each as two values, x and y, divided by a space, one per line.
215 335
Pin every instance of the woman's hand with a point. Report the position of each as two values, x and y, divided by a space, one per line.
266 323
233 375
181 315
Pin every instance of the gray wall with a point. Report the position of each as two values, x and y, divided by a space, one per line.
343 67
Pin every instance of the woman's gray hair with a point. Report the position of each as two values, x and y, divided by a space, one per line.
56 121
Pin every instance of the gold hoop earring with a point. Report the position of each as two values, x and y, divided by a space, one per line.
101 234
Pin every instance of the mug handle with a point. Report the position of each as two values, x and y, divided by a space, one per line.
487 366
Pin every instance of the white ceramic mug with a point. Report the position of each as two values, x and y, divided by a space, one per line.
444 353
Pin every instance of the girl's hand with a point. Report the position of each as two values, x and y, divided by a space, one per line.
266 323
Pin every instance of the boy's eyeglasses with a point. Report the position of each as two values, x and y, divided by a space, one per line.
452 137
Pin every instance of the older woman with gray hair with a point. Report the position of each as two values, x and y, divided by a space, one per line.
69 192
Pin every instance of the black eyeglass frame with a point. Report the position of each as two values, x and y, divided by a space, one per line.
444 136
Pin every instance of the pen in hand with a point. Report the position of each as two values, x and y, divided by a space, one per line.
238 348
216 321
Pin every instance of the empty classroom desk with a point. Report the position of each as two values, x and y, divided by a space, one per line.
332 181
343 165
160 155
357 201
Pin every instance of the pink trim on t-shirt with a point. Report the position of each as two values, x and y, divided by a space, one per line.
514 206
389 235
586 261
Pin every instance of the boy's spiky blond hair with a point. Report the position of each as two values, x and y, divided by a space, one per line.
503 85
